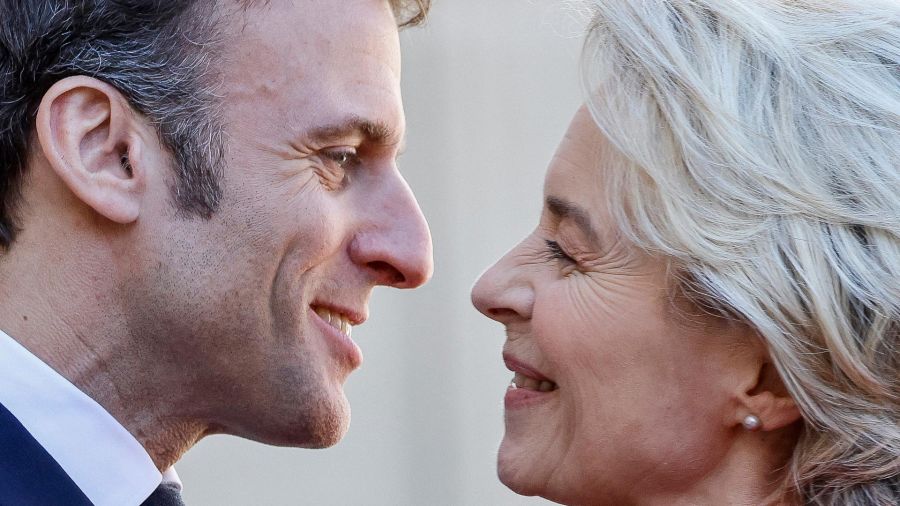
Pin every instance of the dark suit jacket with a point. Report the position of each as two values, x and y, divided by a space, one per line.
28 474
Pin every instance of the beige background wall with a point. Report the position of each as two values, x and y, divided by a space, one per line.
489 87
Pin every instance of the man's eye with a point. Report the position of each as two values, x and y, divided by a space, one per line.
346 158
555 251
337 165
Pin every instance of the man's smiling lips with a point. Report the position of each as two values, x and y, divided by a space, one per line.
338 322
528 385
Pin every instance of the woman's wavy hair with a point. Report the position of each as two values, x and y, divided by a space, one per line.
757 145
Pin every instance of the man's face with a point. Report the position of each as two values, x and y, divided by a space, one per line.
257 302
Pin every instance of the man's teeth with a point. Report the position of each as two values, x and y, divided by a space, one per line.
522 381
336 320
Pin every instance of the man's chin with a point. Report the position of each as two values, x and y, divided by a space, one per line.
327 432
329 421
325 424
318 423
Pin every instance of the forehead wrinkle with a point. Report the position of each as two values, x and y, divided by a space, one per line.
564 209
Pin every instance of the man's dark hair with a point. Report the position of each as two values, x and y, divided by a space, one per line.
158 53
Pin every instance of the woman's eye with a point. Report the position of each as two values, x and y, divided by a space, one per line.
555 251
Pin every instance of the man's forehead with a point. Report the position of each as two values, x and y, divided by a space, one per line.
287 40
308 76
317 16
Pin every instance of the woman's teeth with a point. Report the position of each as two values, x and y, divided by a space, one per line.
336 320
522 381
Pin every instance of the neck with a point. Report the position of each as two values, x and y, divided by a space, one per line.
73 324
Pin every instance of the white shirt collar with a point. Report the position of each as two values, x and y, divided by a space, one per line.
99 455
170 477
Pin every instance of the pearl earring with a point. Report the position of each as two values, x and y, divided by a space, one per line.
752 422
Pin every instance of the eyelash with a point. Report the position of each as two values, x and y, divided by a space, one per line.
556 252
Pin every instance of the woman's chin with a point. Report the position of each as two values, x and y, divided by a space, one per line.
519 470
516 481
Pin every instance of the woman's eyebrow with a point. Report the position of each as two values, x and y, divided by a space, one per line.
562 209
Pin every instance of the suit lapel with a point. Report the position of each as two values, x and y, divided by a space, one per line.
28 474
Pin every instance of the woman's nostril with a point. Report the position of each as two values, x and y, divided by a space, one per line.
500 312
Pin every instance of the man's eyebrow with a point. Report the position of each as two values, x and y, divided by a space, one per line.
562 209
375 132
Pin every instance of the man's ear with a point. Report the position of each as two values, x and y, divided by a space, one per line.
768 399
87 132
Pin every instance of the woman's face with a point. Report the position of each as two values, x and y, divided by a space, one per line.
616 398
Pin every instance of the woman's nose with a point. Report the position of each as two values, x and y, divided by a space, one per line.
503 292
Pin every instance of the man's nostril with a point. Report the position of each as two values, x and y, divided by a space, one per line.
387 273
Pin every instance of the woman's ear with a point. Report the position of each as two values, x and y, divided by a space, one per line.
768 400
87 132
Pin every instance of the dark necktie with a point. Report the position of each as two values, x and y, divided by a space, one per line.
164 495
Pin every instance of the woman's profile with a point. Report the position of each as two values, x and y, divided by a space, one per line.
708 311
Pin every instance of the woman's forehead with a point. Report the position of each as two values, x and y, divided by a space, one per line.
574 172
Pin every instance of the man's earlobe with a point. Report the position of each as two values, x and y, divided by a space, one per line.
87 133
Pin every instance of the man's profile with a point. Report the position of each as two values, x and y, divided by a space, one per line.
197 198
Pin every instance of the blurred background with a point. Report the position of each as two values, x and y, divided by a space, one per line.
489 88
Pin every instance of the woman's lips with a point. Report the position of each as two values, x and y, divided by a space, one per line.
528 385
518 366
517 398
522 381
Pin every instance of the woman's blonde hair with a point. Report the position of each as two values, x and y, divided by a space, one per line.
757 145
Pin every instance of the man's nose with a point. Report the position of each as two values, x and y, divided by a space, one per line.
395 243
503 293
